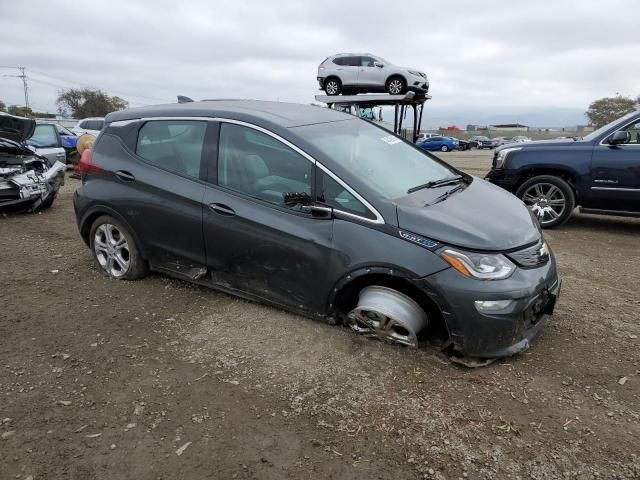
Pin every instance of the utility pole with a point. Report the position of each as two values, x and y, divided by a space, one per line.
23 77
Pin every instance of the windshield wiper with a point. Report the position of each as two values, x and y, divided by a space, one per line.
437 183
448 193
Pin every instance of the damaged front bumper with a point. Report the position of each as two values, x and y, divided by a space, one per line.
29 185
528 296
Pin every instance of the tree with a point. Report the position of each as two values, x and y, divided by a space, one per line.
89 103
19 111
3 106
607 109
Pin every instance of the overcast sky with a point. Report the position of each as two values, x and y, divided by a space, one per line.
483 59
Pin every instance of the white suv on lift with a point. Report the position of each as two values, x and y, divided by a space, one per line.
365 73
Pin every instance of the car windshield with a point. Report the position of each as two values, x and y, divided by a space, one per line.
384 162
482 138
596 133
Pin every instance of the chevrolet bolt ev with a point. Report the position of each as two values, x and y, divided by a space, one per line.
366 73
320 213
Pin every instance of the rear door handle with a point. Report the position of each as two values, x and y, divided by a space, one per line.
221 209
125 176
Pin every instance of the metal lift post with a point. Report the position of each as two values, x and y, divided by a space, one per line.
399 102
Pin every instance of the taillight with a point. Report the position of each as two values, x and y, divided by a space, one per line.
85 165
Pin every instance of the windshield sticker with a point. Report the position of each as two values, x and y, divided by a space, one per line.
391 139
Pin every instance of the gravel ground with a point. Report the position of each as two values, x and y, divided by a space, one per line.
161 379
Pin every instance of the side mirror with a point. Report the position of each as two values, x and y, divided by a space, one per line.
318 211
378 64
618 137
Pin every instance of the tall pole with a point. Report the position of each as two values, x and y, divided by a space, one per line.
26 87
23 77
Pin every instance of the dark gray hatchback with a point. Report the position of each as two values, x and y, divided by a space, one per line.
320 213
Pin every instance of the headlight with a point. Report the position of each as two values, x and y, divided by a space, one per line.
502 155
413 72
483 266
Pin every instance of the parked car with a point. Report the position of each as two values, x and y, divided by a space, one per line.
91 125
480 142
318 212
520 139
499 141
462 144
69 141
600 173
46 142
424 136
364 73
28 181
444 144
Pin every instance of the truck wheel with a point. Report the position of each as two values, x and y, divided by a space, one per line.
550 198
114 250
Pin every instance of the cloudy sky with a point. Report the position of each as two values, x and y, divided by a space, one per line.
541 62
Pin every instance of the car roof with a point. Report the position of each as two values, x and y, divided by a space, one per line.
257 111
91 118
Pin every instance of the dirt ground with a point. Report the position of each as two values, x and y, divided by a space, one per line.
159 379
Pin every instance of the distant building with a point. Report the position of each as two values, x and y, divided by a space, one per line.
584 128
449 129
471 128
510 127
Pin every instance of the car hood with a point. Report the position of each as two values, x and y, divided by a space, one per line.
481 217
541 144
17 129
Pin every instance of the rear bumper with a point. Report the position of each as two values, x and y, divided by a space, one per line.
533 292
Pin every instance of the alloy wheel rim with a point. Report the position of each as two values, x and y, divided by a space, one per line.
112 250
546 200
395 87
332 88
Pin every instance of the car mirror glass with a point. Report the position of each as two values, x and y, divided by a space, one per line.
621 136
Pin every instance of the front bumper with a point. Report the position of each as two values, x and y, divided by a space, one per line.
503 178
490 335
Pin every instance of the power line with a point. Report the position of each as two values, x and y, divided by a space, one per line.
108 90
23 77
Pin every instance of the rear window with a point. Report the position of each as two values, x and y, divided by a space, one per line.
44 136
174 145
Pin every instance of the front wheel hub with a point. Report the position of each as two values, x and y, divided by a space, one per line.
388 315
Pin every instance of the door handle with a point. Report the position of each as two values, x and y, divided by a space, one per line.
221 209
61 155
125 176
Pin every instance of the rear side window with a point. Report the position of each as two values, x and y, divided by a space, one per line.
353 61
258 165
339 61
173 145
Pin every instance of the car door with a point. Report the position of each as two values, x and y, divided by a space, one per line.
46 142
258 240
348 70
615 173
158 185
370 75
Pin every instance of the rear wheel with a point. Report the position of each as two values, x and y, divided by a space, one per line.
332 86
396 86
115 251
550 198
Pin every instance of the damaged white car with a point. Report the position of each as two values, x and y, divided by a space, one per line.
28 181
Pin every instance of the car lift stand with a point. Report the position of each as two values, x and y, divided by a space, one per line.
399 102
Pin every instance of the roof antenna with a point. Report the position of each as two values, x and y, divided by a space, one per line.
183 99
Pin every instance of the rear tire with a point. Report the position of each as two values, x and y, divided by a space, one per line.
332 86
115 251
550 198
